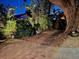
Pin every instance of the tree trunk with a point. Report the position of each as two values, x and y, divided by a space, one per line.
77 18
69 8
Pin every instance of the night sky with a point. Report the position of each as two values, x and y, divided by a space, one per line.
20 7
17 4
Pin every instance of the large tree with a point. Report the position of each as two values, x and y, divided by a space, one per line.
69 7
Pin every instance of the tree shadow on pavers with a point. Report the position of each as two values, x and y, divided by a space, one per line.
56 39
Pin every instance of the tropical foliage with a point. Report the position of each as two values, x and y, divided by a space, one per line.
25 27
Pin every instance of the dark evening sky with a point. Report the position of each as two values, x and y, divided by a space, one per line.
20 7
18 4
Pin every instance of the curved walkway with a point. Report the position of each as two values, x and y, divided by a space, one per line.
33 48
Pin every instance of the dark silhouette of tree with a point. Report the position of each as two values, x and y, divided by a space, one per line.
3 14
2 21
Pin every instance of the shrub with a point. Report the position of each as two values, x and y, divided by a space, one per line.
10 28
24 28
43 21
2 37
